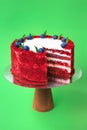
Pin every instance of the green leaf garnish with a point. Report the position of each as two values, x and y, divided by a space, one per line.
67 39
36 48
23 36
16 39
30 34
45 32
21 46
60 36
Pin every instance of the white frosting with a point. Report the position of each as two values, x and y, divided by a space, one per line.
49 43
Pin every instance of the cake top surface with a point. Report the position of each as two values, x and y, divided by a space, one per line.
38 43
43 43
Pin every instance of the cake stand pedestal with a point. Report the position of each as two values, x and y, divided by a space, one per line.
43 100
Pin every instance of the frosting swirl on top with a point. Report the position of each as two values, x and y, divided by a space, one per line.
35 43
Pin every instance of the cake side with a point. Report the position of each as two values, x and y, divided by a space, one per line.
28 67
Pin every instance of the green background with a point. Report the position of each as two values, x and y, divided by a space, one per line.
18 17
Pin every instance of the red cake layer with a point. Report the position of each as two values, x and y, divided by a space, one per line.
59 73
27 83
32 69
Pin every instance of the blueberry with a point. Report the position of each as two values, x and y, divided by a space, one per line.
42 35
63 39
17 44
40 50
29 37
55 37
26 48
21 40
63 45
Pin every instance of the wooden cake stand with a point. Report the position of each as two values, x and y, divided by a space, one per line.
43 100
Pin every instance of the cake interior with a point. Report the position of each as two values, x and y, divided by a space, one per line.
59 67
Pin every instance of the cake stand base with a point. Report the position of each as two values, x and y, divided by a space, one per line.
43 100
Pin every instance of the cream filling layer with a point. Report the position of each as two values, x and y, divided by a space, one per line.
59 60
60 67
58 54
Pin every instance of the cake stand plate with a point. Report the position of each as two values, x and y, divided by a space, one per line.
43 100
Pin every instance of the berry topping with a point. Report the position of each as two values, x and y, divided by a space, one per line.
55 37
26 48
21 40
29 37
42 35
17 44
40 50
63 39
63 45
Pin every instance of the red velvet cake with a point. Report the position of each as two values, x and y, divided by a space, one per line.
38 60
